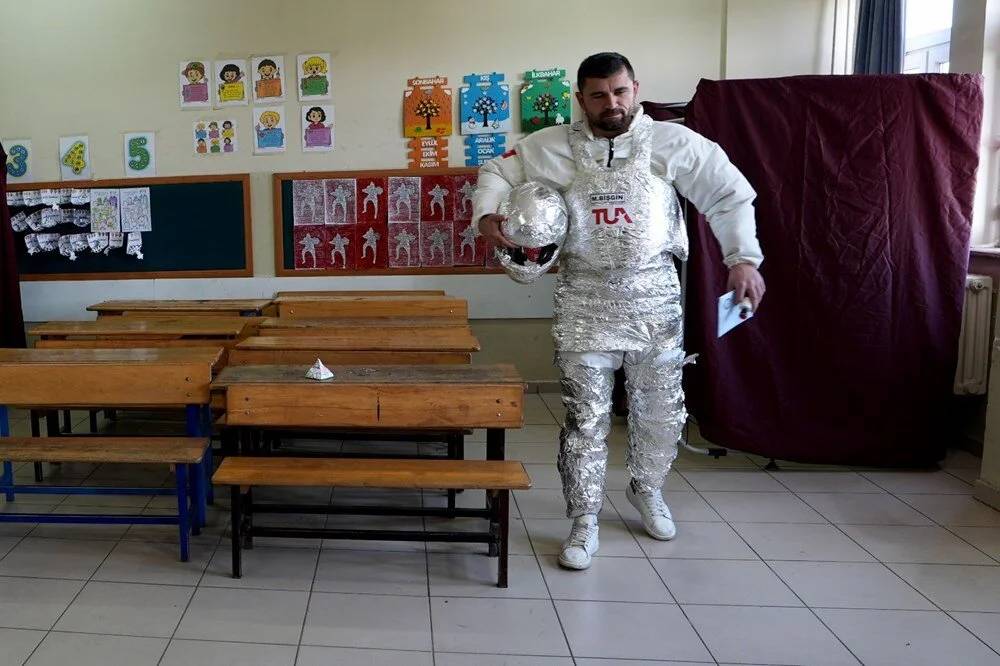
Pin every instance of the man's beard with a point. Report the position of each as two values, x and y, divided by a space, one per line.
614 122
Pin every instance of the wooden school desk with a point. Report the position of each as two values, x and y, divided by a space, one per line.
283 326
249 307
383 346
371 306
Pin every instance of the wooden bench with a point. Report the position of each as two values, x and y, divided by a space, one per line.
372 306
372 346
497 477
187 455
414 326
233 307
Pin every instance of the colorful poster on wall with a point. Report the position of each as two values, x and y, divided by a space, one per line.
19 159
215 137
484 101
268 79
481 148
317 128
194 87
140 154
231 83
74 157
427 107
135 209
314 77
429 152
269 130
105 211
545 99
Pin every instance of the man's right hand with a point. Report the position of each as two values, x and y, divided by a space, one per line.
489 227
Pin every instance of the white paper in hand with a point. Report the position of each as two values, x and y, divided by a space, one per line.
729 313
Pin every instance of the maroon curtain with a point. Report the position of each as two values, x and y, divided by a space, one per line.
11 319
864 200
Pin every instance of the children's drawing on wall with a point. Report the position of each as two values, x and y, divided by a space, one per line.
74 157
484 101
317 128
230 82
314 76
268 79
404 199
105 211
269 129
404 244
307 202
215 136
339 245
427 107
194 83
135 209
341 200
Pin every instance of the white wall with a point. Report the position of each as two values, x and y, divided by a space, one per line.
104 67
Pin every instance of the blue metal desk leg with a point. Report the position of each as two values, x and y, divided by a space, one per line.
183 518
8 467
199 470
208 463
196 487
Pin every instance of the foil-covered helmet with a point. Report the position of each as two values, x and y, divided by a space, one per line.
537 222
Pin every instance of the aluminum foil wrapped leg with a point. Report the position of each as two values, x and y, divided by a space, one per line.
587 380
656 414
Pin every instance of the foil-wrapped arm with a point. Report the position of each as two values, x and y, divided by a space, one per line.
702 173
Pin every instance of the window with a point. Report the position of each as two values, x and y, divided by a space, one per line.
927 36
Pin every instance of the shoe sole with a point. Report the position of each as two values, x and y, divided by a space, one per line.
575 567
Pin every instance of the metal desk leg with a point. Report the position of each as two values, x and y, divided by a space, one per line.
503 507
494 451
236 523
93 421
36 431
196 483
183 518
8 467
67 422
193 414
208 468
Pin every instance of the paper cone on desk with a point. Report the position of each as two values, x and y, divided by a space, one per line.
319 371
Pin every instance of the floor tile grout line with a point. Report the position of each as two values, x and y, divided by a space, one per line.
312 585
773 572
548 591
77 595
895 573
664 582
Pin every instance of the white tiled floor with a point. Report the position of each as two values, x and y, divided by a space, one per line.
807 565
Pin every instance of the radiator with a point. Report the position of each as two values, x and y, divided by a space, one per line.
971 374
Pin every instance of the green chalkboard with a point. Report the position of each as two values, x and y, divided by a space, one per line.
201 228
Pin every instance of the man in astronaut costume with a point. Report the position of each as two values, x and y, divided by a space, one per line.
617 296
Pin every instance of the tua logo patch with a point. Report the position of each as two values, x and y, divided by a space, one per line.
609 208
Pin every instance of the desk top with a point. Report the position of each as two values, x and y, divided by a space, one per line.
139 327
369 375
374 292
161 356
204 305
434 340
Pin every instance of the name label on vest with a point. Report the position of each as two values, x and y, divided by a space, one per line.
609 208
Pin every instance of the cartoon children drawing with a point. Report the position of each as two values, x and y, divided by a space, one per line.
317 133
314 81
268 79
270 135
227 129
199 131
227 145
196 88
202 148
231 89
213 130
215 148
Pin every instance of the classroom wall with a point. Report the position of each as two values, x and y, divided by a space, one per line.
104 67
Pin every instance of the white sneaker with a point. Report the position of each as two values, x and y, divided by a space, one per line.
581 543
656 516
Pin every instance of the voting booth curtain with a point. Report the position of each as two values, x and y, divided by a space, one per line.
865 189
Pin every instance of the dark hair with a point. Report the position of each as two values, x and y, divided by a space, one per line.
229 68
266 62
322 113
227 122
601 66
